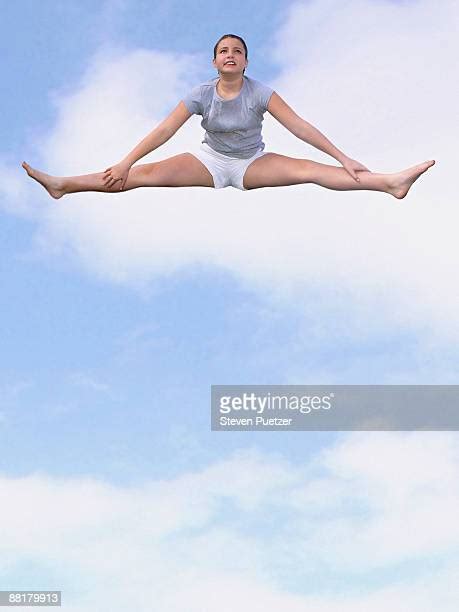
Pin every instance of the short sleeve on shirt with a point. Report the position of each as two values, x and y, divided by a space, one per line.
193 100
264 94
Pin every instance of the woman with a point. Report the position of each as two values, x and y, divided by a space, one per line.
232 152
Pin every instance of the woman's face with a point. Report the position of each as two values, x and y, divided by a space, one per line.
230 57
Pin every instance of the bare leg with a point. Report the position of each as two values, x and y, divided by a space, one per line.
397 184
275 170
178 171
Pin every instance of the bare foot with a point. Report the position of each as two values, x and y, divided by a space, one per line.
401 182
53 184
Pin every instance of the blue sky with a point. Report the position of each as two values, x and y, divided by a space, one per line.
118 316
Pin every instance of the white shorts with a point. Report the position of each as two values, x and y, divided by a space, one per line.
226 171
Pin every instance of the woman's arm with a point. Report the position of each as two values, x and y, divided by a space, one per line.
161 134
303 130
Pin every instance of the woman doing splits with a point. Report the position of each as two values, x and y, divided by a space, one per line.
232 153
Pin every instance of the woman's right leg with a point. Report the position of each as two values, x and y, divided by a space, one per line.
183 170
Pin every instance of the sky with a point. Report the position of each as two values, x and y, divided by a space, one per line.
120 311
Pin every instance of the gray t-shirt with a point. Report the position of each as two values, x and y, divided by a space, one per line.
233 127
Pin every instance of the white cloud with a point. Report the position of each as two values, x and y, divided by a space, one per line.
14 389
199 541
366 77
397 494
87 381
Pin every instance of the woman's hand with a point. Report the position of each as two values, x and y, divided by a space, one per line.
352 167
116 174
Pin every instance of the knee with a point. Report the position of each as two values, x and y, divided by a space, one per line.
103 187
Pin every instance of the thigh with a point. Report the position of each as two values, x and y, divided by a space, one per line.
274 170
183 170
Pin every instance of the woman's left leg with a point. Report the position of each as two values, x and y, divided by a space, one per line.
273 170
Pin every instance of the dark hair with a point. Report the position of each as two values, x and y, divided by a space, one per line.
231 36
